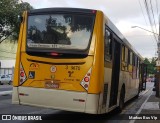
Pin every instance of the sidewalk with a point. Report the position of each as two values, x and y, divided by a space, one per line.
150 110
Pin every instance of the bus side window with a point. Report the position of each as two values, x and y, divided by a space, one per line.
134 67
131 58
126 58
129 61
123 57
123 53
107 46
137 67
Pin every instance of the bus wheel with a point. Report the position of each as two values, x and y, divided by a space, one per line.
121 101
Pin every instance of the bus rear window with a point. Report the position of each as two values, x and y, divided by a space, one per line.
59 31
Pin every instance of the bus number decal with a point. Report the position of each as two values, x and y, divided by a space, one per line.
72 67
75 67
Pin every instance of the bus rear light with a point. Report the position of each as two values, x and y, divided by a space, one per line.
22 94
22 74
86 85
21 80
54 54
79 100
93 11
86 80
88 74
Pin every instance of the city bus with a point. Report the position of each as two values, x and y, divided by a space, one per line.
75 60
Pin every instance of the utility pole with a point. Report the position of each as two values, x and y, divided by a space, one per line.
158 65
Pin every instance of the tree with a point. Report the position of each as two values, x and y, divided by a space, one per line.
153 65
150 65
9 11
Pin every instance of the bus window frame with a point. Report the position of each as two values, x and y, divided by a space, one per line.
38 51
110 45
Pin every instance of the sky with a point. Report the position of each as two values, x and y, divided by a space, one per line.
124 14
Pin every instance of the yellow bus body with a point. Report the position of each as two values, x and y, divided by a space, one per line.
94 60
69 74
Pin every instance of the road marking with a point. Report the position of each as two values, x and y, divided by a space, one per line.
132 121
5 93
144 92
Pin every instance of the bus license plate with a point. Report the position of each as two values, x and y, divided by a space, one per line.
52 85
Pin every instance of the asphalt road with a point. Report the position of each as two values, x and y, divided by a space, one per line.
131 107
5 88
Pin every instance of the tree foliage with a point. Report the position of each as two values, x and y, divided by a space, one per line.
9 11
150 65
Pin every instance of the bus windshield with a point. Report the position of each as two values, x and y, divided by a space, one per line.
59 31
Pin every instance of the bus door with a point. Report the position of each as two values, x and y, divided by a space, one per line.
115 72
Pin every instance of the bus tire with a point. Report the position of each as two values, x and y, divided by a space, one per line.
121 99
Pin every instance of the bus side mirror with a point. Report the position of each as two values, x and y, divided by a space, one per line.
20 19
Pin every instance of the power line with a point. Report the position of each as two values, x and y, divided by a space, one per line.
157 7
153 16
144 18
142 12
149 17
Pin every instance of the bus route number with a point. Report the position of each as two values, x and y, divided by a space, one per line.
72 67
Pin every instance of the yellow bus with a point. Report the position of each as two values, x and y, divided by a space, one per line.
74 59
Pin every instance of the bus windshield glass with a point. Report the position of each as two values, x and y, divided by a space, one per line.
59 31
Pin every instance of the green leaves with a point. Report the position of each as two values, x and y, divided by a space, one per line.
150 65
9 11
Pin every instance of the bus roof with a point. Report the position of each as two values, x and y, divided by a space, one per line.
120 35
74 10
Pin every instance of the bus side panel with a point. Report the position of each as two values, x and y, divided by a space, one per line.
18 58
15 96
97 79
92 104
